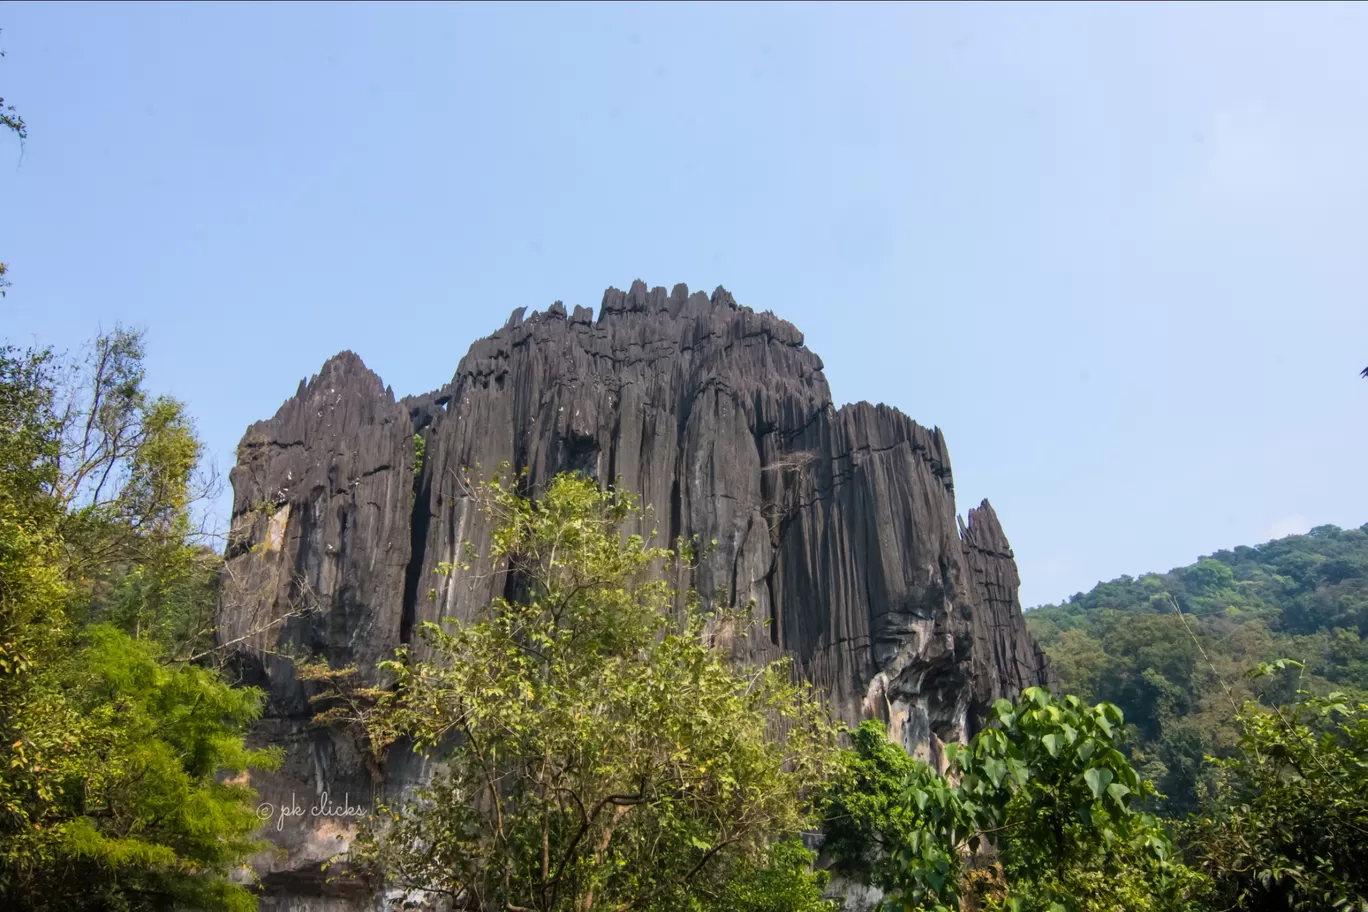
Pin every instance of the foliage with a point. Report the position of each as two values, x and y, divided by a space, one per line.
1124 642
893 822
1291 823
110 749
112 799
127 478
31 586
595 752
866 814
781 879
1047 789
1074 833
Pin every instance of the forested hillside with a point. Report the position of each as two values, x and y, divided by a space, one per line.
1304 597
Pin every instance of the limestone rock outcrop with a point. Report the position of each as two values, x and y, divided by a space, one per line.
838 524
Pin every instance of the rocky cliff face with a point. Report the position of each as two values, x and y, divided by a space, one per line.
838 524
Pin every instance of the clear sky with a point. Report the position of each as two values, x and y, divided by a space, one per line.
1118 253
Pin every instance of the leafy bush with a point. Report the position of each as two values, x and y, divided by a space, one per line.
1047 790
1288 828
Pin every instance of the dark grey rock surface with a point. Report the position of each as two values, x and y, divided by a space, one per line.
839 525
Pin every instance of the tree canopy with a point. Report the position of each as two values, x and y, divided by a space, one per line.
113 748
1170 649
598 750
1287 826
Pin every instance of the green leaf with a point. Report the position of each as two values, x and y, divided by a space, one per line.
995 769
1098 779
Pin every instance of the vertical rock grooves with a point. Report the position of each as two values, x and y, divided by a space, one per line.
839 525
1003 661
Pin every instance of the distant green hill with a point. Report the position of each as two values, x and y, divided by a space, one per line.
1303 597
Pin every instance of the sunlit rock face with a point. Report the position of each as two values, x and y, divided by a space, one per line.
837 525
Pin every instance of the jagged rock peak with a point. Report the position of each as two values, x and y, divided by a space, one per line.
837 526
984 532
679 337
346 367
345 371
1006 658
638 300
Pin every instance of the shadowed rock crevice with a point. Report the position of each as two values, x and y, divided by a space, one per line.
413 573
837 525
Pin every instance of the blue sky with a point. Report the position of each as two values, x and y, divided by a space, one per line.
1116 252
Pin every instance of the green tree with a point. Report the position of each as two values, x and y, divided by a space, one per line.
892 822
866 815
128 477
1289 827
112 753
597 751
1068 808
1046 790
1178 677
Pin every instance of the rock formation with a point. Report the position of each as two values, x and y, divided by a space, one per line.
838 524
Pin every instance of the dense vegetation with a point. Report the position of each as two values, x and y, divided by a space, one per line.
1180 678
116 729
1287 825
598 752
1041 811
